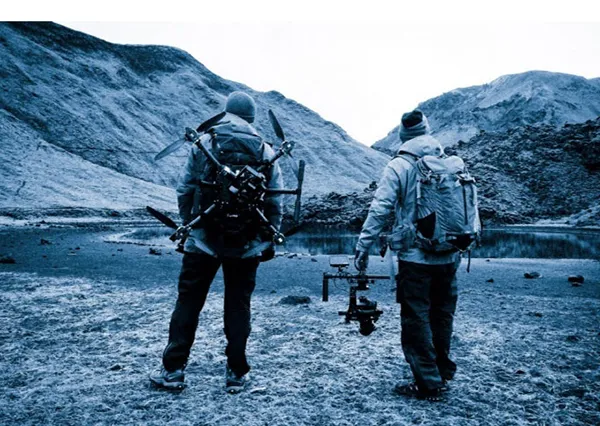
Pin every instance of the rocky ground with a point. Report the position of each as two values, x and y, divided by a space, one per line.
84 321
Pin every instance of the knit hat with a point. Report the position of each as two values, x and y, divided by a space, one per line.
413 124
242 105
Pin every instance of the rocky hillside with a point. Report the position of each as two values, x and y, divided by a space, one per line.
536 172
525 175
511 101
81 119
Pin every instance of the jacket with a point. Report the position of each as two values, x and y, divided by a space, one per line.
397 194
189 197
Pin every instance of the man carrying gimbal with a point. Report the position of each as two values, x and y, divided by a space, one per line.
223 239
426 281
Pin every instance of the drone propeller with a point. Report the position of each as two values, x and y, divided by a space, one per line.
170 149
281 136
180 142
211 122
276 126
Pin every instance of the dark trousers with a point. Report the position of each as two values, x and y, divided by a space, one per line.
427 296
197 274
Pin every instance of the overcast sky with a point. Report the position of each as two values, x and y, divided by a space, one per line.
364 74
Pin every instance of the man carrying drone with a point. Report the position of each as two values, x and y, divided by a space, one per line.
236 229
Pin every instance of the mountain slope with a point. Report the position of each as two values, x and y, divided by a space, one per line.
537 172
530 98
115 106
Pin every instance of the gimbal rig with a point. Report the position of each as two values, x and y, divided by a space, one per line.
364 310
241 189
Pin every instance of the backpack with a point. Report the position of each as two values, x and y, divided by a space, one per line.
235 144
447 217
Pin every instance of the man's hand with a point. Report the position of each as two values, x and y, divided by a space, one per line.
361 260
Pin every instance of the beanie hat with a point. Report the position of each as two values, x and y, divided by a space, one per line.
242 105
413 124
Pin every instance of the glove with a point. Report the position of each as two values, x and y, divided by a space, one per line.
361 260
268 254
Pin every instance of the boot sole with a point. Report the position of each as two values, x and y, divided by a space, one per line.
234 389
161 384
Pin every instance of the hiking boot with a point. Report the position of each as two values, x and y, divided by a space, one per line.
235 383
172 380
412 390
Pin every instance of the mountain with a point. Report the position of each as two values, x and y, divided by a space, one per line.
81 119
530 98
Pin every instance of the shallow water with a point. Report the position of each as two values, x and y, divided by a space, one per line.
499 243
502 243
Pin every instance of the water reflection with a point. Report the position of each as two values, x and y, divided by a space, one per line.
511 243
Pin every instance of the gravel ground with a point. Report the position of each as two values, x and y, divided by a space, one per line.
81 328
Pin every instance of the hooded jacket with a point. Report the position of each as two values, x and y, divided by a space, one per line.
397 193
189 194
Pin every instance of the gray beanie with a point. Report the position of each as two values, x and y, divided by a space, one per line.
413 124
242 105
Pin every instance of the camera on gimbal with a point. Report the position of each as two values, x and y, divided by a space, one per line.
362 310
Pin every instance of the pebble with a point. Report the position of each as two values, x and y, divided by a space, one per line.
7 260
532 275
294 300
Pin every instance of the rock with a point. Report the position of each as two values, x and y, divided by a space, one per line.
491 280
294 300
44 242
576 279
577 392
7 260
312 259
155 251
573 338
532 275
116 367
520 372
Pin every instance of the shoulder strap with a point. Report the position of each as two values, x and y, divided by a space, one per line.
408 156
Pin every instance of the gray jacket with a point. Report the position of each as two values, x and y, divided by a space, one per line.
189 198
397 194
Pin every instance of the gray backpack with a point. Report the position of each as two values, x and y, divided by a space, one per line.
447 210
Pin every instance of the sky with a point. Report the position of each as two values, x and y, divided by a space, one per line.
361 68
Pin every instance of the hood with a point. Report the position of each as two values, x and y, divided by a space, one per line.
422 145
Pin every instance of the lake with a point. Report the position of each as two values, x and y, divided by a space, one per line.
513 242
525 242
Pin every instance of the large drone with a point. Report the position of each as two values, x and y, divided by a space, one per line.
245 188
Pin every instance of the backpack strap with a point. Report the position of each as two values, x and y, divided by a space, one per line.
408 156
